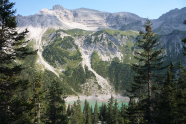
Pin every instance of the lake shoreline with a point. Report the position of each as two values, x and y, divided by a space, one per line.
99 98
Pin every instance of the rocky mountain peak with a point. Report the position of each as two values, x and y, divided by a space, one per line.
170 14
58 7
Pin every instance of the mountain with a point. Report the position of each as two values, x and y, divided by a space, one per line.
90 51
88 19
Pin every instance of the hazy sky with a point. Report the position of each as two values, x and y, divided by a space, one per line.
143 8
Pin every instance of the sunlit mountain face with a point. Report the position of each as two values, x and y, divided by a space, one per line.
90 51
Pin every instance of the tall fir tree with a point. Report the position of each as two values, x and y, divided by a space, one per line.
56 108
37 99
181 95
166 101
95 115
150 57
69 111
184 42
110 112
103 112
116 113
79 113
124 114
87 113
134 113
76 116
13 48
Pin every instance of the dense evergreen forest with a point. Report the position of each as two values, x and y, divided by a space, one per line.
155 98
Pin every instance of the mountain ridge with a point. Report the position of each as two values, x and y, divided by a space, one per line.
89 51
89 19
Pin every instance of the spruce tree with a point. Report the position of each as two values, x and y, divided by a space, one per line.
76 116
37 99
150 57
124 114
103 112
87 113
181 95
56 110
116 113
134 113
69 110
184 42
95 115
13 48
79 113
167 104
181 88
110 112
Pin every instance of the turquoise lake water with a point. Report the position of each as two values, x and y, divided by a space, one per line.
93 102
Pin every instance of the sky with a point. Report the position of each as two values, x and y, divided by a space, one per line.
151 9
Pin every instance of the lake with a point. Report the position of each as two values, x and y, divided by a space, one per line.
93 102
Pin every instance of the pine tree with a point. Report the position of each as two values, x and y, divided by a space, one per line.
56 110
13 47
110 112
77 117
134 113
79 113
181 87
116 113
123 113
184 42
168 104
87 113
150 58
181 95
37 99
95 115
103 112
69 110
74 117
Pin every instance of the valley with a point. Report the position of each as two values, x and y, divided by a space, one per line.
88 59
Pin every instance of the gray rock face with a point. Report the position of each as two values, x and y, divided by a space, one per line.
61 17
58 7
170 21
38 20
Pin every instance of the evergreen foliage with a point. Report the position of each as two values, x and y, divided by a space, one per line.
56 108
167 99
13 48
110 112
59 51
87 113
150 62
181 95
77 116
119 73
103 112
77 78
95 115
37 100
184 41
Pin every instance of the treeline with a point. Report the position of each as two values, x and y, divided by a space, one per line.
107 114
